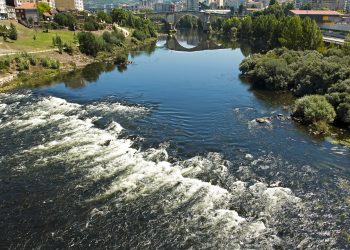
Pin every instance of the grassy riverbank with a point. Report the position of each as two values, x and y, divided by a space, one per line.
38 75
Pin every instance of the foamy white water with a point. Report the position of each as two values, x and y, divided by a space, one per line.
202 186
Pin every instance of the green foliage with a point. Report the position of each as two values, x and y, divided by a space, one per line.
22 63
88 43
104 17
139 35
90 24
43 7
272 28
339 96
12 33
189 22
66 19
313 109
5 63
50 63
68 48
346 46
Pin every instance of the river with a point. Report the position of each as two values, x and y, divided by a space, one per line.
165 153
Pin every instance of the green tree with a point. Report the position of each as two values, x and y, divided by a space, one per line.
43 7
292 33
312 36
12 33
240 9
346 46
272 2
314 109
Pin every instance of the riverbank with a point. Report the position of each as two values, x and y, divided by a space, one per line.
37 76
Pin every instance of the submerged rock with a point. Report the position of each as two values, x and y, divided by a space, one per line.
263 120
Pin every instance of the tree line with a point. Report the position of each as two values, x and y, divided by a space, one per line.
321 79
273 28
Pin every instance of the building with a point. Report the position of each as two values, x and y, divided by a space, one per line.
192 5
214 4
3 9
164 7
322 4
11 12
70 5
320 16
234 3
27 12
255 5
16 3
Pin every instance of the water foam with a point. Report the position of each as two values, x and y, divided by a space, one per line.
201 186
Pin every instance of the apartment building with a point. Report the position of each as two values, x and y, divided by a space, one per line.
70 4
3 10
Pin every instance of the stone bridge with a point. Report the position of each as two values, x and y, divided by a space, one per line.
172 18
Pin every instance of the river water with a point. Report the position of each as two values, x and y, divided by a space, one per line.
165 153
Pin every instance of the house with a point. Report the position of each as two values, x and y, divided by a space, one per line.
65 5
320 16
27 13
3 10
11 12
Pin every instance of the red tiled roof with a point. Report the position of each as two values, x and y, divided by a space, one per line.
316 12
27 6
47 14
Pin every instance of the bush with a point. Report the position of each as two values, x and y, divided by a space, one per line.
5 63
22 64
139 35
88 43
50 63
32 60
314 109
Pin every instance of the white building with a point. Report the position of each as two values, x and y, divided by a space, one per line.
3 10
70 4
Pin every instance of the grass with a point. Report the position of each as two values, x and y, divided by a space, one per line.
25 41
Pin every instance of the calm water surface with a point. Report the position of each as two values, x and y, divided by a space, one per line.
165 153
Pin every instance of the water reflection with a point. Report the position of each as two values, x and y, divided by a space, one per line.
192 40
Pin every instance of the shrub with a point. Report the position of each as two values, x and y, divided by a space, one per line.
32 60
50 63
88 43
139 35
22 64
5 63
314 109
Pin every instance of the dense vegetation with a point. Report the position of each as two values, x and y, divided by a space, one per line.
305 73
91 44
24 61
272 28
189 22
143 28
10 32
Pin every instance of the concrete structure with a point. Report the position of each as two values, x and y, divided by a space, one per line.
320 16
70 5
173 18
3 9
27 12
192 5
164 7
